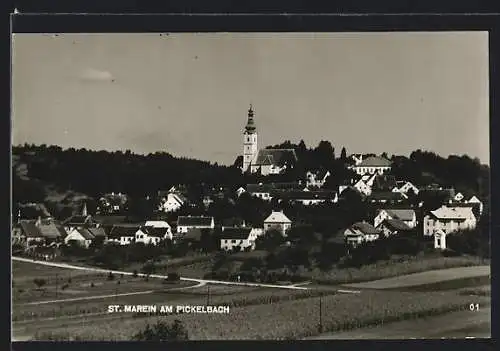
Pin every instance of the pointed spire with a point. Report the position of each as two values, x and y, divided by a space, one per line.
250 127
84 210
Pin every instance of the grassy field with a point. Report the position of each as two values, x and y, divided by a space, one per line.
431 278
392 268
286 320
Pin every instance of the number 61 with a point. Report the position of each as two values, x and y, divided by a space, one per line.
474 307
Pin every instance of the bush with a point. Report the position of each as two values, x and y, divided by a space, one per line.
162 331
92 284
111 276
173 277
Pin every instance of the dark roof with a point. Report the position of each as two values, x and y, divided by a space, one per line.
384 182
235 233
123 230
194 221
87 235
365 228
110 220
232 222
193 234
30 229
401 213
375 161
152 231
97 231
279 157
395 224
50 231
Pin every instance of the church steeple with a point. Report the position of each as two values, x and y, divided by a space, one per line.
250 148
250 128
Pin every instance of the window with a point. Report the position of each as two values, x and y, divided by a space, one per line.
233 241
438 242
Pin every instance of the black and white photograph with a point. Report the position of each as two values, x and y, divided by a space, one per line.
250 186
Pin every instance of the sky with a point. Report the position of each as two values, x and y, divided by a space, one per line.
188 93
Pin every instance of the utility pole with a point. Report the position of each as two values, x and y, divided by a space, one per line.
320 315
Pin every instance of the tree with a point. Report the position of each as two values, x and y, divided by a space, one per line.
161 331
343 155
270 240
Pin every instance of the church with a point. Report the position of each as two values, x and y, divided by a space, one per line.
265 161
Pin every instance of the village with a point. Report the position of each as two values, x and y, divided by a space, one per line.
178 220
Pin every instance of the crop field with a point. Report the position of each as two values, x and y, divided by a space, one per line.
392 268
292 319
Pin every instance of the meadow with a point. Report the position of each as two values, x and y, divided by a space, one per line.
293 319
392 268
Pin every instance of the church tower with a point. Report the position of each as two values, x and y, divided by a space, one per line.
249 141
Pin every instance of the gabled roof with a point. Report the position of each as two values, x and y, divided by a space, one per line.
375 161
157 224
151 231
474 199
85 233
384 182
30 229
458 213
364 228
235 233
194 221
278 157
97 231
401 214
123 230
50 231
394 224
277 217
77 220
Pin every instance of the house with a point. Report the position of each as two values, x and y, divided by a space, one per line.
82 236
123 234
162 226
171 202
446 220
408 216
405 187
184 223
277 220
362 187
317 179
265 161
475 201
37 232
392 227
262 191
372 165
243 238
387 197
77 221
240 191
112 203
149 236
361 232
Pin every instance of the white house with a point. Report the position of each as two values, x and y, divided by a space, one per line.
123 234
240 191
447 220
361 232
184 223
171 203
239 237
392 227
160 226
316 179
404 187
307 197
362 187
277 220
372 165
474 200
408 216
262 191
148 236
80 235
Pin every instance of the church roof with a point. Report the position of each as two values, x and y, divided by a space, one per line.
250 127
278 157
